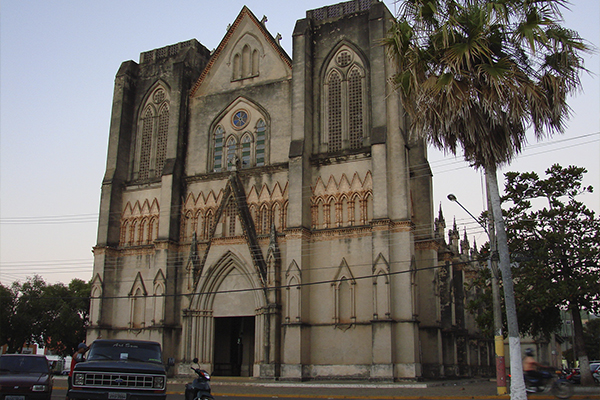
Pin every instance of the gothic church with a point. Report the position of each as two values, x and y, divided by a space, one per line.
269 215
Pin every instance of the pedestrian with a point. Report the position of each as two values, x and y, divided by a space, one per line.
78 357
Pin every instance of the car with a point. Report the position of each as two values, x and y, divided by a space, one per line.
25 377
595 370
120 369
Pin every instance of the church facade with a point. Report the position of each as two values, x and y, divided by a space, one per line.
270 216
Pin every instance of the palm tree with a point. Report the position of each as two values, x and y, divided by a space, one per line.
474 75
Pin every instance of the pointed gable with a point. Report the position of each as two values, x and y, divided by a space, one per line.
248 54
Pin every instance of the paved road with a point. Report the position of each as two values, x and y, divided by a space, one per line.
242 389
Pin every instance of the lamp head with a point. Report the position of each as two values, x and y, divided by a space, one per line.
451 197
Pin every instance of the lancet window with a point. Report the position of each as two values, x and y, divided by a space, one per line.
344 102
151 143
245 63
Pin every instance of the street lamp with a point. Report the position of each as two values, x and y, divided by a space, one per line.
498 337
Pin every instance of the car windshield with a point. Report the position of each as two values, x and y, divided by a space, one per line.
122 351
23 364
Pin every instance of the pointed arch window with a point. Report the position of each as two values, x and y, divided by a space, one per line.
218 151
246 150
245 61
261 137
231 152
161 145
151 143
239 140
335 112
355 108
344 102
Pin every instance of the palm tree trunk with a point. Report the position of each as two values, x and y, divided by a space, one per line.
517 386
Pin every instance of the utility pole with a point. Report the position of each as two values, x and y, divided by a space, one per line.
497 309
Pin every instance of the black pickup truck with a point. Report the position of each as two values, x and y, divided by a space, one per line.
120 370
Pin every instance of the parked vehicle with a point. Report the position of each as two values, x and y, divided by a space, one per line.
595 370
574 376
25 377
120 370
199 389
549 382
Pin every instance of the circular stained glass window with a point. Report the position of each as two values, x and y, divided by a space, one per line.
240 119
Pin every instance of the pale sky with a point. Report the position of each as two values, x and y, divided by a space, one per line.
58 60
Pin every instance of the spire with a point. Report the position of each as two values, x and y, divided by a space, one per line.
440 224
464 244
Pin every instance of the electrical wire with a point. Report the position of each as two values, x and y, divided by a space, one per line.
418 171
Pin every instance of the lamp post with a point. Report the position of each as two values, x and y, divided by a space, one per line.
498 337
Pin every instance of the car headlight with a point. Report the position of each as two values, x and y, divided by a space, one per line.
40 388
79 379
159 382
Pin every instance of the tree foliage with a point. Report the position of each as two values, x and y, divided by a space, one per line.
560 240
474 75
591 336
555 245
49 315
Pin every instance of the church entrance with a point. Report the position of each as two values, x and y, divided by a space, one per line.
234 346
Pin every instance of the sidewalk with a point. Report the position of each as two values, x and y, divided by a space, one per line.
442 389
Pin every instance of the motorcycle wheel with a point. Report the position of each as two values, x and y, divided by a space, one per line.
562 389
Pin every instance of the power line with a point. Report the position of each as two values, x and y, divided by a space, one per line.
419 170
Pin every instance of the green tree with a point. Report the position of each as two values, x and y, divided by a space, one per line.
7 307
49 315
66 317
25 311
591 337
473 75
559 241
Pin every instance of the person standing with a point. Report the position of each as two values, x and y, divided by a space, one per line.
78 357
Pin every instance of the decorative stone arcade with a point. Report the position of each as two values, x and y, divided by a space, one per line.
228 296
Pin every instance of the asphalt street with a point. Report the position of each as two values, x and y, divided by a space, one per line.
249 388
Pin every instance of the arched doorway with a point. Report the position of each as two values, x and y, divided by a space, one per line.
223 318
234 346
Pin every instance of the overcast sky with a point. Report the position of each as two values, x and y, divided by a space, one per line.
58 63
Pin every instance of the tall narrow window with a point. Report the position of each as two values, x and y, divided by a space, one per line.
237 67
335 112
146 145
161 146
246 62
231 150
255 62
261 133
218 154
355 109
246 151
231 218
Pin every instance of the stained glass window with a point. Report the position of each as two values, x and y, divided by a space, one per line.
261 133
240 119
246 151
218 156
231 150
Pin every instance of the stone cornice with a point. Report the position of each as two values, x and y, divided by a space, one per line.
427 245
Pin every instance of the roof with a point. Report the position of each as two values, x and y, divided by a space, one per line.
217 53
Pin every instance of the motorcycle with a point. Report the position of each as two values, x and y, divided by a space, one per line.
199 389
547 382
